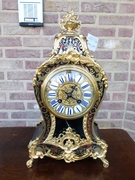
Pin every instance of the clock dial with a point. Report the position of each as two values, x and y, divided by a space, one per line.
69 92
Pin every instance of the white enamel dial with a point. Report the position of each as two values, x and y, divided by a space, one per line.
69 92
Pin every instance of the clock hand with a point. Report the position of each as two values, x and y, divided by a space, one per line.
77 100
69 94
73 88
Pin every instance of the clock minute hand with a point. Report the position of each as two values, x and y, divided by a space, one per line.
77 100
73 88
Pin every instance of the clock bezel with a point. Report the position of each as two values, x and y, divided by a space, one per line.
67 67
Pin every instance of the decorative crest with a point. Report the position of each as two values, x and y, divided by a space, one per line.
70 22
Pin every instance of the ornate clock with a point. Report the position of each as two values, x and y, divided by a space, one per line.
69 87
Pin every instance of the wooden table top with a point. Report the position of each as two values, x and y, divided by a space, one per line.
14 154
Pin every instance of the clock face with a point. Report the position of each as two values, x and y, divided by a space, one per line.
69 92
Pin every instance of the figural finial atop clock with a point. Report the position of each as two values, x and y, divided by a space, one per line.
69 87
70 22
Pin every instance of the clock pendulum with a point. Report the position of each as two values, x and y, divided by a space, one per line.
69 87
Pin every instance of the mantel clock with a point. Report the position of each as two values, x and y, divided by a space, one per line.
69 87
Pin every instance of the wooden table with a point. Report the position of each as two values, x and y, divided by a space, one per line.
14 154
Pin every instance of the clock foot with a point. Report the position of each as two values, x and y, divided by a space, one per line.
105 162
29 163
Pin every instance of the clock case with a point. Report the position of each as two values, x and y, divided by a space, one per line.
70 140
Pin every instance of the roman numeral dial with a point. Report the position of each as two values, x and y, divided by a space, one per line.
69 92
